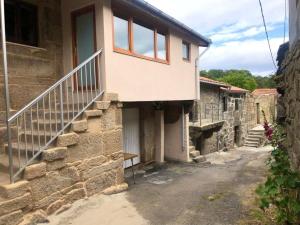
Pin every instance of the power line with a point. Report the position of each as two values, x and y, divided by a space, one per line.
267 35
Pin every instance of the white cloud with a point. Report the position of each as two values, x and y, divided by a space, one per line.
235 24
251 54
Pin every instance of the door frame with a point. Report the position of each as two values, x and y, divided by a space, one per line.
74 14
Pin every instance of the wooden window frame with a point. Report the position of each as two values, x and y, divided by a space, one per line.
131 51
189 53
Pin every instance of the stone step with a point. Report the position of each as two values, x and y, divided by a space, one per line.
250 138
199 159
92 113
251 145
194 154
192 148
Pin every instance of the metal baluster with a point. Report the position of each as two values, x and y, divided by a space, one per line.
18 138
72 92
95 77
31 125
55 108
81 87
50 116
44 122
99 74
38 125
67 97
61 107
86 84
77 91
91 81
25 136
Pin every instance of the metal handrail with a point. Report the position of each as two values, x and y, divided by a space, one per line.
37 125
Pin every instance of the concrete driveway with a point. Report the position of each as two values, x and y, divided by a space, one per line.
215 194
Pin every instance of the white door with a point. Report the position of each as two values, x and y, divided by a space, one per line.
131 134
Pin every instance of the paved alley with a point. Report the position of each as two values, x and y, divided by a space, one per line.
215 194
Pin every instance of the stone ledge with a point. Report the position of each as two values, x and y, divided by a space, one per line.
80 126
53 154
116 189
36 217
34 171
15 204
66 140
113 97
11 218
102 105
92 113
14 190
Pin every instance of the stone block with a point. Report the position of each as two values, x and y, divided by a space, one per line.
35 171
47 201
56 165
108 120
15 204
92 113
34 218
119 175
113 97
112 142
14 190
116 189
102 105
72 173
80 126
97 184
75 186
66 140
98 170
75 195
52 183
117 155
55 206
92 162
12 218
53 154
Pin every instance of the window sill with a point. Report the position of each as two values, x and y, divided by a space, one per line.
25 46
186 60
124 52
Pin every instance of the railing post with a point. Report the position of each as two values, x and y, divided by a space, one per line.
61 106
6 92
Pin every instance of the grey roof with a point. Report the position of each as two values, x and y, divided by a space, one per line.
141 4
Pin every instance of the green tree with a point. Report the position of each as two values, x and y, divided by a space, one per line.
240 78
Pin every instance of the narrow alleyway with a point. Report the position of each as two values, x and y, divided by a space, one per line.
215 194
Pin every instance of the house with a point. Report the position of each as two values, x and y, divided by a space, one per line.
88 81
288 82
224 117
266 100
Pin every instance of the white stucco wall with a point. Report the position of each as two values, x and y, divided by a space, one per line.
294 21
134 79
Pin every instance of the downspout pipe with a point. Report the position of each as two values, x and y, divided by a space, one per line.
6 88
197 80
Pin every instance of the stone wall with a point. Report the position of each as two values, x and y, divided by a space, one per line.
267 103
210 97
289 103
244 118
33 69
86 161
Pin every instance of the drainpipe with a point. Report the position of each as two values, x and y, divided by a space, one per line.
6 91
197 81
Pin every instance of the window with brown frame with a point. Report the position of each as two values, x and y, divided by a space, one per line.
21 22
137 39
186 51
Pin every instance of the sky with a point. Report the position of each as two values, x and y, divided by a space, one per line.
236 29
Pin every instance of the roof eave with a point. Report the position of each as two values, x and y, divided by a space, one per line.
143 5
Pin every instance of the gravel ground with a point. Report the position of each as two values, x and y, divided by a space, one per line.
178 193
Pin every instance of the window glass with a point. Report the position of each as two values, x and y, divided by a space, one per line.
143 40
121 33
161 46
185 50
224 104
21 22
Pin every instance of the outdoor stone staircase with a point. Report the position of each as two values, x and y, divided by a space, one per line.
87 159
255 137
195 154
